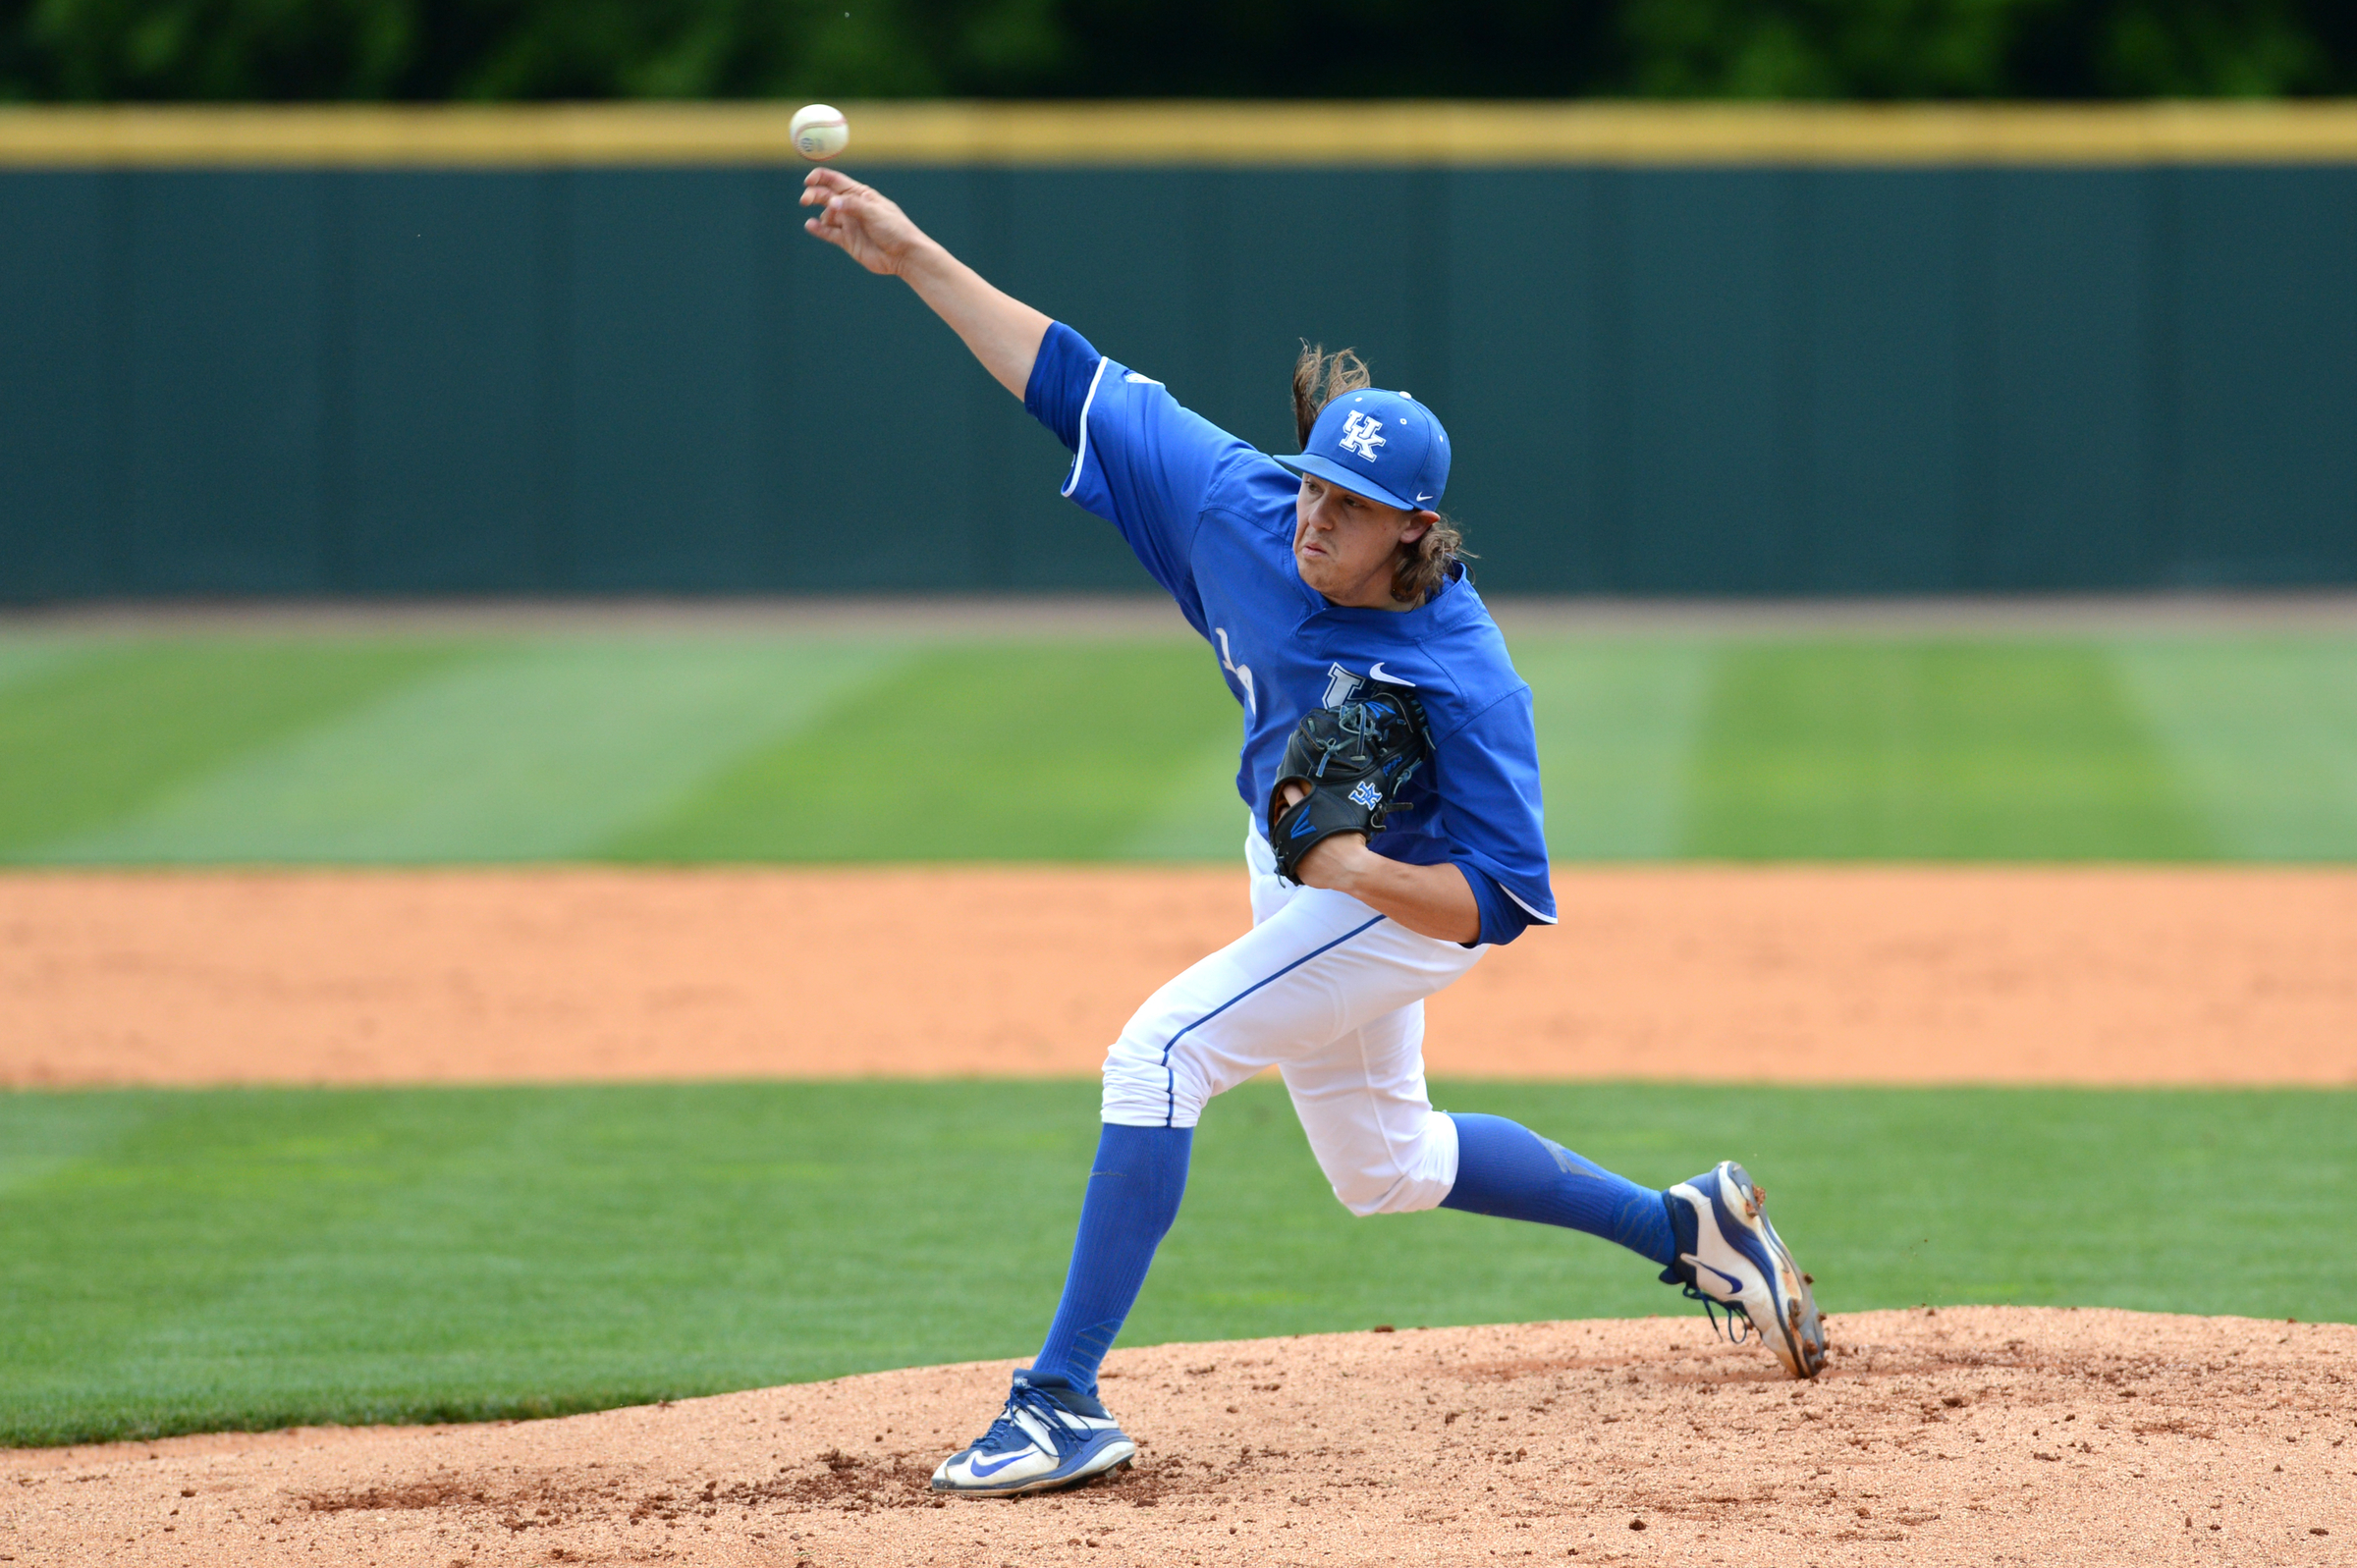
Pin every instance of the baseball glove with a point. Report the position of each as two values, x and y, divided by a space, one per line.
1355 760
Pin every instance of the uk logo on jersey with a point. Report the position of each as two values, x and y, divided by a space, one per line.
1358 435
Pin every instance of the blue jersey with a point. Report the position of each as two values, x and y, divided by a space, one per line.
1212 519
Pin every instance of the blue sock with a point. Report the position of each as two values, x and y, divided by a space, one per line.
1504 1168
1133 1193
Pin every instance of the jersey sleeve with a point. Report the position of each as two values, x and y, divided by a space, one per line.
1501 919
1140 460
1488 773
1060 382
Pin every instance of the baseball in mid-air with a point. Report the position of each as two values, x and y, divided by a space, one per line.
819 132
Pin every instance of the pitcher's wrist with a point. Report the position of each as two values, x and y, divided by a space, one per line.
1354 868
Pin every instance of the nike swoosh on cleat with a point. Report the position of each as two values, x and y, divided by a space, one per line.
981 1471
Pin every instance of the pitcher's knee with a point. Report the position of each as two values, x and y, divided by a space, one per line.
1405 1193
1374 1177
1143 1091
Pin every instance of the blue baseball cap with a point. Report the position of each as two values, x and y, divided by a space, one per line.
1385 446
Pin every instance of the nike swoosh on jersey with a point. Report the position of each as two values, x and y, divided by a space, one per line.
997 1462
1376 671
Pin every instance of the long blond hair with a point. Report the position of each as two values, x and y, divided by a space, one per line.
1319 378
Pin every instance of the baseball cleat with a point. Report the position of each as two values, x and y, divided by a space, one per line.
1732 1256
1047 1437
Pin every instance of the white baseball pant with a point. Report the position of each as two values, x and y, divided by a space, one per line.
1331 994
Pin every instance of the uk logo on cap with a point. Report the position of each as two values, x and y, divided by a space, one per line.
1382 445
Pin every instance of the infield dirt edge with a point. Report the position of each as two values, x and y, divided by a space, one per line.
2196 976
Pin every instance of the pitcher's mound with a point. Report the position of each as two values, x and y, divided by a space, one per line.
1951 1436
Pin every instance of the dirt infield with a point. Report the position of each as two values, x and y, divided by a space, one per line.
1866 975
1963 1435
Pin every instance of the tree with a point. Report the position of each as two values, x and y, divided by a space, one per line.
325 50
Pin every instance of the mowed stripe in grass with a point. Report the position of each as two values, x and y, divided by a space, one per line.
983 752
23 660
326 750
2262 734
248 1259
1618 726
1931 751
531 751
95 738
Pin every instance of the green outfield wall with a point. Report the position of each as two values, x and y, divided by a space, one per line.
1702 352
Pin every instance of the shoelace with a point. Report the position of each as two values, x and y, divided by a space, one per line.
1006 1433
1735 1315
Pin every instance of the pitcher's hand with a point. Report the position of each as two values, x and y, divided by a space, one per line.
859 220
1331 859
1434 901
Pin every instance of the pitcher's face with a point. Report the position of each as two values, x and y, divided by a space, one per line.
1345 545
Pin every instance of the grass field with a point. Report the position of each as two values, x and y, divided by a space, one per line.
711 747
195 1260
187 1261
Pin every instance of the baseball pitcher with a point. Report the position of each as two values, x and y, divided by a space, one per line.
1392 780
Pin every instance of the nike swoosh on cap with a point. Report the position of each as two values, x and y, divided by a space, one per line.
1420 496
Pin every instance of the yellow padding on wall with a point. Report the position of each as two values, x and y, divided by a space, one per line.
1202 134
